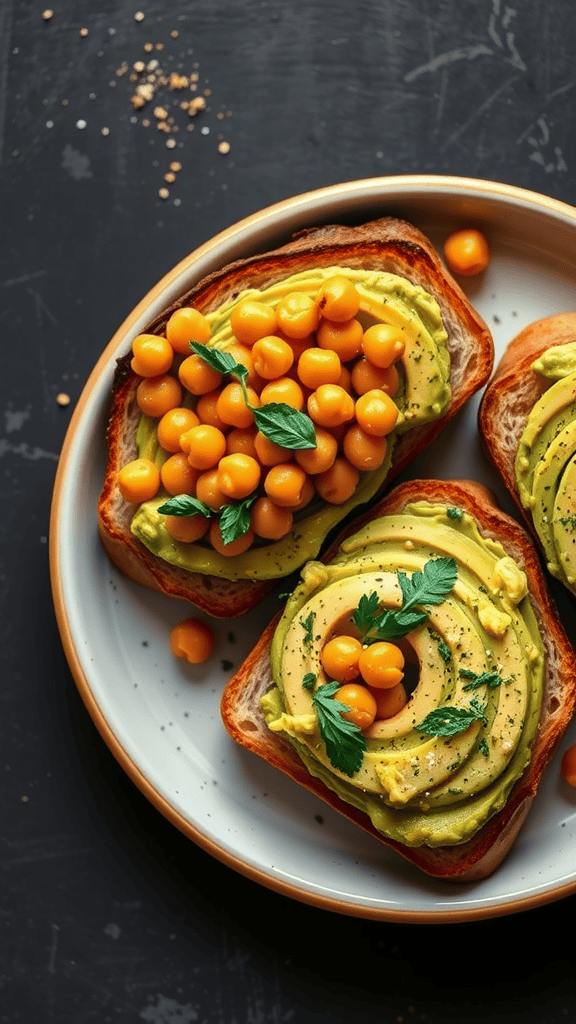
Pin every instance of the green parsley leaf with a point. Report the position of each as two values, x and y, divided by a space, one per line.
483 747
184 505
345 744
308 627
489 679
431 586
278 421
235 520
448 721
309 680
220 361
285 426
454 513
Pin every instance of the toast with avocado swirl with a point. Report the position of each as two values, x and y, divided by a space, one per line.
446 357
448 778
527 420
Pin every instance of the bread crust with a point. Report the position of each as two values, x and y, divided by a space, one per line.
484 852
512 393
385 244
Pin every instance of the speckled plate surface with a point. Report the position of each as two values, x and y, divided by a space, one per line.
161 718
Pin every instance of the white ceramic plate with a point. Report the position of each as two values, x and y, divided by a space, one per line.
161 717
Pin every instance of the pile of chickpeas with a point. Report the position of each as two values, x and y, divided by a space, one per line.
309 352
370 677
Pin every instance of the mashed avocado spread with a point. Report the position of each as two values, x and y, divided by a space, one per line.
479 655
424 396
546 462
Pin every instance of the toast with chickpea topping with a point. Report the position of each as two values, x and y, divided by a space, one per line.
280 394
445 831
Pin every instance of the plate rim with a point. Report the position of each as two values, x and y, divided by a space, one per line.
389 187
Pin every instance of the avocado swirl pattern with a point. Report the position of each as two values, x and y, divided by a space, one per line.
546 463
478 651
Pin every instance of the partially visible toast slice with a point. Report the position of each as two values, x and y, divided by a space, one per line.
512 393
479 856
387 244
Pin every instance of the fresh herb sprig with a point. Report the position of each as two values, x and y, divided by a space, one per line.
449 721
234 518
345 743
278 421
429 587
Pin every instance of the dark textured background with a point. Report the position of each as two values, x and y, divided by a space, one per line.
108 913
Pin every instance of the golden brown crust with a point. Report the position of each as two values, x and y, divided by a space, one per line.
480 856
386 244
513 391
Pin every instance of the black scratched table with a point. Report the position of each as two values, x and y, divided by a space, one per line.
108 179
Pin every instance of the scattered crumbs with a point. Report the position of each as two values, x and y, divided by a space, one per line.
105 131
47 14
496 319
62 398
145 643
81 124
223 147
139 16
226 665
83 32
163 193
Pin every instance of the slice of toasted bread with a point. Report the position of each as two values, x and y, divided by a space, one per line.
512 393
387 244
479 856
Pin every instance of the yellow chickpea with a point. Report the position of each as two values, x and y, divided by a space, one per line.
272 357
364 451
338 299
192 640
251 320
204 445
208 490
344 338
235 547
156 395
367 377
339 658
207 411
138 481
283 390
152 355
238 475
186 325
241 441
383 344
297 315
173 424
187 529
318 366
270 521
231 406
376 413
318 459
178 476
197 377
284 484
361 703
330 405
382 665
390 702
269 453
467 252
338 483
